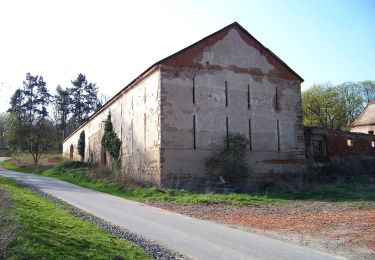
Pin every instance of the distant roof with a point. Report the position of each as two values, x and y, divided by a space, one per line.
170 59
367 117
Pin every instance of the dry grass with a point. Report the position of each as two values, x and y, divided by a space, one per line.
47 160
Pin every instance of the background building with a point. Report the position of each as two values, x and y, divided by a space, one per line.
365 123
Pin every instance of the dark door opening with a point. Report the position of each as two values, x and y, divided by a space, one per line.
71 152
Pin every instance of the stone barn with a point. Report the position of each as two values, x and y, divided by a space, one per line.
178 112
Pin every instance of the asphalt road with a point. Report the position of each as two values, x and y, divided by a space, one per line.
192 237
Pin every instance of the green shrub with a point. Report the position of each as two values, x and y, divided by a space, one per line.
230 162
111 142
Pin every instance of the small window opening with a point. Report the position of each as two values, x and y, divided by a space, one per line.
276 99
248 95
226 93
373 144
250 147
121 142
145 129
193 90
278 135
317 148
71 152
227 126
104 156
132 137
194 132
349 142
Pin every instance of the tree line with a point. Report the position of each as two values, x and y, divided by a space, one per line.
336 106
38 121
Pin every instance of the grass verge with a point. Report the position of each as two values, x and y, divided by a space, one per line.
49 232
73 173
355 192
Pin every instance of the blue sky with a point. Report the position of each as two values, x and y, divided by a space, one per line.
112 41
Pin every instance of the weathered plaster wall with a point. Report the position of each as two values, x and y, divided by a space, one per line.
193 91
136 120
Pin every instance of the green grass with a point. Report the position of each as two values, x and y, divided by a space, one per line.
355 191
78 176
49 232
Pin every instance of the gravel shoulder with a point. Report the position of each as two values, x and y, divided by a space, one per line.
336 228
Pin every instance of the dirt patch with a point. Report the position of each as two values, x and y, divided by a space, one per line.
333 227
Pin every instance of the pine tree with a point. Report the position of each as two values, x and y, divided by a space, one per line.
16 107
84 97
62 103
77 98
43 97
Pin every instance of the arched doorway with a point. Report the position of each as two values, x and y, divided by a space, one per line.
71 152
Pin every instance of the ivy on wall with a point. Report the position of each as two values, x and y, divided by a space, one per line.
111 142
81 145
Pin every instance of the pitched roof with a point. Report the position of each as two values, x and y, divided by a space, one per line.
367 117
177 59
